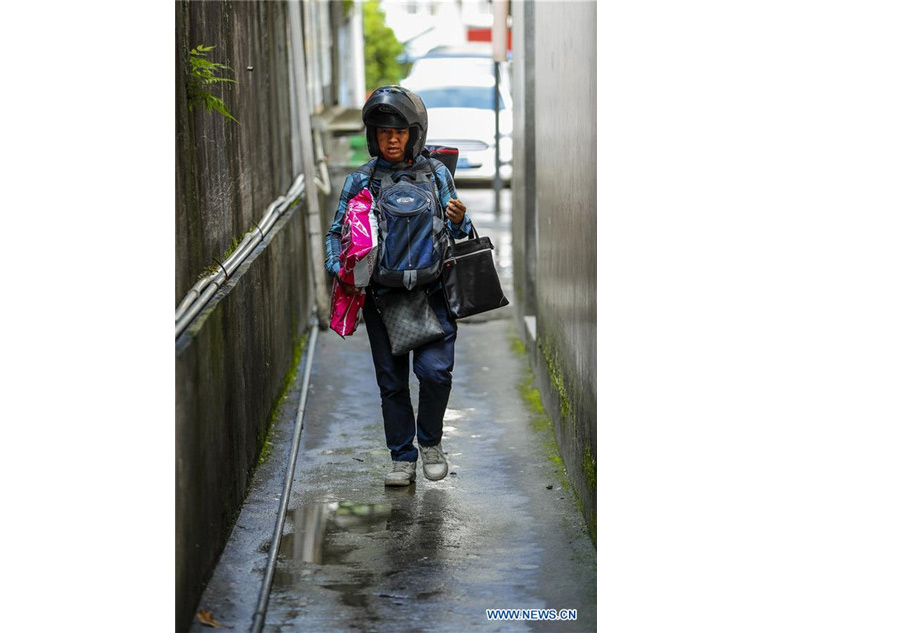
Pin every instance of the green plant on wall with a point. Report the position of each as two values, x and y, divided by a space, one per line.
381 48
206 73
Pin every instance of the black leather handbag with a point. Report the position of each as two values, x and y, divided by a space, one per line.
471 284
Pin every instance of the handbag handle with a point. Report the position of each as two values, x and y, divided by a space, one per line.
473 234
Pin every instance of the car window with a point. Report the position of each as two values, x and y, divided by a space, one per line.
481 97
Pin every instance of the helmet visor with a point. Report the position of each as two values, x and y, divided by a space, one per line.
386 116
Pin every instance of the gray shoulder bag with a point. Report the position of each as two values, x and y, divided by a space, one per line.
408 318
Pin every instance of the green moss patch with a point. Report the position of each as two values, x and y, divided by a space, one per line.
542 425
289 378
539 421
518 346
554 371
589 468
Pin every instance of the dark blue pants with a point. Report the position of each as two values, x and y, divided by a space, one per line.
433 366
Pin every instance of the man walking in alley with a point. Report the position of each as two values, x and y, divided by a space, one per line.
416 205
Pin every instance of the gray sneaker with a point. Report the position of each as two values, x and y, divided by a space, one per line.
434 462
404 473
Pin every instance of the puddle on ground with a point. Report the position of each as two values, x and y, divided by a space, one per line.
309 538
306 542
320 535
352 594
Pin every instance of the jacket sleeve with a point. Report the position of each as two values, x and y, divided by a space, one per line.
447 191
353 184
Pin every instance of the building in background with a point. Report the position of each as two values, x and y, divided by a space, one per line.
422 25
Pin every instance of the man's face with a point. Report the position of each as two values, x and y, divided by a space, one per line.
392 142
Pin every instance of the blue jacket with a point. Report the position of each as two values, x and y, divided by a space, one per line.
360 178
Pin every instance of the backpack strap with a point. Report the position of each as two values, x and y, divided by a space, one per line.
372 177
431 162
437 191
446 238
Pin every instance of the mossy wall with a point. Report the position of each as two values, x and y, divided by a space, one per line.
555 221
232 362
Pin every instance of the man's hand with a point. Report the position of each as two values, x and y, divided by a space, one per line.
456 210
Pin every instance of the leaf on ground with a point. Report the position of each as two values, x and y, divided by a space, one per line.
206 617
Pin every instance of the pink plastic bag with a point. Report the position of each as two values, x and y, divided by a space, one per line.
345 309
359 241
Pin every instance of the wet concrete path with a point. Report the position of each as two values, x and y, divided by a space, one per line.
501 531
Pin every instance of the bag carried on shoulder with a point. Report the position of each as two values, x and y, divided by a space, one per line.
471 284
409 320
413 236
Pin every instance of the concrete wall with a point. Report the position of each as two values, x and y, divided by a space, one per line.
232 362
226 174
554 201
522 185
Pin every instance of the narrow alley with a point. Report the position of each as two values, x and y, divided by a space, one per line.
271 101
502 531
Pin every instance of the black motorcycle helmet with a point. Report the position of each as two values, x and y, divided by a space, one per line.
395 106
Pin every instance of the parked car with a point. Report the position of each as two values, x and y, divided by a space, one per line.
459 95
471 57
